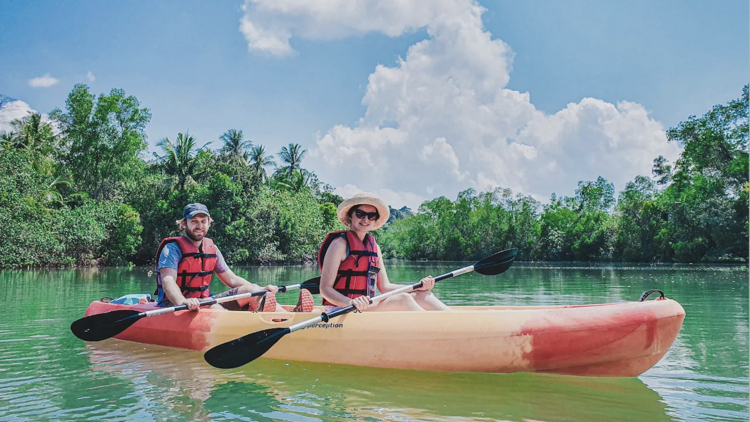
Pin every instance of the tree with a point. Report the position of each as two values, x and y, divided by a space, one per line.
598 195
235 147
706 203
296 182
182 160
716 144
52 194
259 160
31 133
640 220
35 137
291 157
102 140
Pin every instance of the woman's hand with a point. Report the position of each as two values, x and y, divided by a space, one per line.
271 288
427 283
361 303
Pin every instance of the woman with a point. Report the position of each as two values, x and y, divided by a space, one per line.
352 265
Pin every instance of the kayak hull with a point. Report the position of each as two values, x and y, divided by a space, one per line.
617 339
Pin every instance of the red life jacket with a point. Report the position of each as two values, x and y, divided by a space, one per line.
355 276
195 269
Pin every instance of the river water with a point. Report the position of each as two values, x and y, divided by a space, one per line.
47 374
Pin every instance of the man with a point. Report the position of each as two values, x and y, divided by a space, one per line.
186 264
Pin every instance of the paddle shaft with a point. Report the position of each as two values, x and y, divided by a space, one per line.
212 301
325 316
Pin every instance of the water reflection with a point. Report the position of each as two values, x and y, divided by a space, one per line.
166 380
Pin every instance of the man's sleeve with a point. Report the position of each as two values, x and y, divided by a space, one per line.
169 257
221 265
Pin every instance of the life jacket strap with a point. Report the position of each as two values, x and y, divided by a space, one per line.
198 255
195 289
183 276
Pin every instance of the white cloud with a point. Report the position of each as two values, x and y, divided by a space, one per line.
442 119
269 24
44 81
11 109
90 76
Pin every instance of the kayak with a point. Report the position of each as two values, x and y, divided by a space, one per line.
621 339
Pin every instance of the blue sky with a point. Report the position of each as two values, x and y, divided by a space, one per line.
408 99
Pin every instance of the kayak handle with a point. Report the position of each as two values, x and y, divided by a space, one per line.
649 292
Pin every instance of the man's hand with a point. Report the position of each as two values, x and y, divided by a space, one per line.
193 304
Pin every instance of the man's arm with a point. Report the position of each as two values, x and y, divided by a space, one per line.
173 292
228 277
232 280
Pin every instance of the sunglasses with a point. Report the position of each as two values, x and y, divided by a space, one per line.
372 216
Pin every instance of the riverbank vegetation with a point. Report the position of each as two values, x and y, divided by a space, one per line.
79 189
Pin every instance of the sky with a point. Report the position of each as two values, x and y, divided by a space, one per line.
408 99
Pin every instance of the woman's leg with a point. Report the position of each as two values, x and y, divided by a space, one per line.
399 302
429 301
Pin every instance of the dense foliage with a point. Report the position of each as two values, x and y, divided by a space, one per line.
78 189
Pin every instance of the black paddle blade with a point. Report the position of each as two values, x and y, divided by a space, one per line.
103 326
245 349
497 263
313 285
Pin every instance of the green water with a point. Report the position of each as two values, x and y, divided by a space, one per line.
47 374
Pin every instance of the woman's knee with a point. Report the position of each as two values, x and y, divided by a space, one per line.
406 301
421 295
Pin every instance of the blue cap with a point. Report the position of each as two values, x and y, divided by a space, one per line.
194 209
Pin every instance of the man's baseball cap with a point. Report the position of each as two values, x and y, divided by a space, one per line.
194 209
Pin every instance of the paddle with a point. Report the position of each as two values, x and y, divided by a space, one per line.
246 349
109 324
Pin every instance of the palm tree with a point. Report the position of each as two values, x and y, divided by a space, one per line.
292 157
182 160
234 146
259 160
31 134
296 182
51 194
8 139
36 138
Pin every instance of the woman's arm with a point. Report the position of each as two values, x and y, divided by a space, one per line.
385 285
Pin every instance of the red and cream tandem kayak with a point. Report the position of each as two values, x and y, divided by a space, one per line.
615 339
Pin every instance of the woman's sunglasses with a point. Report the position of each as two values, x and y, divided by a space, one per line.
372 216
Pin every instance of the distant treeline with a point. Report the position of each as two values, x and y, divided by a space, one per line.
80 190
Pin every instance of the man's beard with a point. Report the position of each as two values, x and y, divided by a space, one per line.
190 234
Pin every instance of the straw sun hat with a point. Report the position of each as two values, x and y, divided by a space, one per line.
364 198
